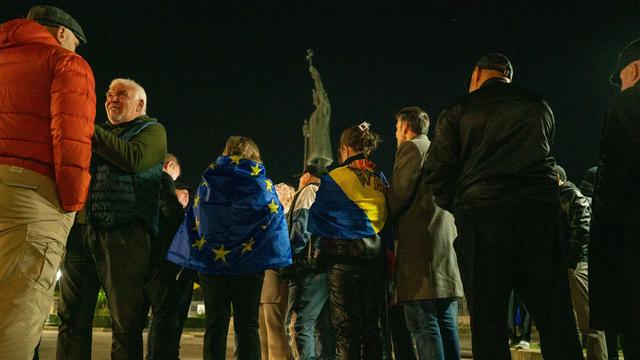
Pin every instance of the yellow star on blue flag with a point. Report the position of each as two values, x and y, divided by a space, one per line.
255 170
248 246
273 206
221 253
235 159
234 225
199 243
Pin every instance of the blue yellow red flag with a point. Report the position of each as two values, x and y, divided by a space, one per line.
235 223
350 203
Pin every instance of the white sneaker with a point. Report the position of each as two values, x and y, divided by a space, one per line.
524 345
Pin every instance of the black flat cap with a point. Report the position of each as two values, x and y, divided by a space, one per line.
314 169
629 54
497 62
53 16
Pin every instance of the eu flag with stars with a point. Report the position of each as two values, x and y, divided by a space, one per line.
235 223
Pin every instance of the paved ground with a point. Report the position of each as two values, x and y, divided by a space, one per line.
190 346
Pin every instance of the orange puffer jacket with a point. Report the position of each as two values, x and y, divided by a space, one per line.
47 109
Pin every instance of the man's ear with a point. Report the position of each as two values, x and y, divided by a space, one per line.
478 76
60 33
405 127
140 105
635 71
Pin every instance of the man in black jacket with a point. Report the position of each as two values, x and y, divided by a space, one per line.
575 216
614 246
161 288
489 165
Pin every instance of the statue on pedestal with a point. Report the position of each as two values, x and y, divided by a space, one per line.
318 137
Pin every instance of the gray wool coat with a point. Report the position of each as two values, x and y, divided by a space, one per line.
426 265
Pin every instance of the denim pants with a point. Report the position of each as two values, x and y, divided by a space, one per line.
308 293
434 326
220 293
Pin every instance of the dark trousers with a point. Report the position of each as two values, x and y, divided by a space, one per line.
119 262
525 255
162 297
400 335
518 330
356 296
184 288
325 335
243 293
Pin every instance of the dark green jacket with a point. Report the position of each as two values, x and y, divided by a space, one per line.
126 171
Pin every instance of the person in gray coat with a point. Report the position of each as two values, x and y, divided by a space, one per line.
427 278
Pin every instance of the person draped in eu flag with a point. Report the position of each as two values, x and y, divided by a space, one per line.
347 216
234 230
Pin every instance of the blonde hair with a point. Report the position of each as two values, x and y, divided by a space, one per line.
138 91
243 146
285 195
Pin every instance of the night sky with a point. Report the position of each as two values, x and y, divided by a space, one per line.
214 69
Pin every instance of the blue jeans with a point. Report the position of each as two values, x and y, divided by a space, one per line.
308 294
434 326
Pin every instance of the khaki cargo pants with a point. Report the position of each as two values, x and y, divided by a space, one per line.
33 234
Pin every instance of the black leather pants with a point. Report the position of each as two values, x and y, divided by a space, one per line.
356 296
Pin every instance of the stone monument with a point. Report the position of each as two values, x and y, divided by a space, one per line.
316 131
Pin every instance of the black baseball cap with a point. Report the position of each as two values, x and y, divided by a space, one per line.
629 54
314 169
497 62
53 16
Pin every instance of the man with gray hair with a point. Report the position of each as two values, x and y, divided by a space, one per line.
110 244
47 109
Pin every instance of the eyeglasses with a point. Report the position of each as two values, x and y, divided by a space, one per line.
122 94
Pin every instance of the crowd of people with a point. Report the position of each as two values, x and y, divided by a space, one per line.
350 265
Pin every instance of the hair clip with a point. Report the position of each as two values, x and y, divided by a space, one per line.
364 126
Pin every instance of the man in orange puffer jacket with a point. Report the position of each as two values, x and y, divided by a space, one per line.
47 109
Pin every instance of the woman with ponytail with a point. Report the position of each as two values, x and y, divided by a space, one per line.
347 216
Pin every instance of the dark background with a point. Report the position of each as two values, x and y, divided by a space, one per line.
214 69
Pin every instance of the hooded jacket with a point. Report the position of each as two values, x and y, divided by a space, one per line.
47 109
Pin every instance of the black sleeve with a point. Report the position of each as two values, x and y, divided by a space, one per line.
579 217
171 210
442 167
